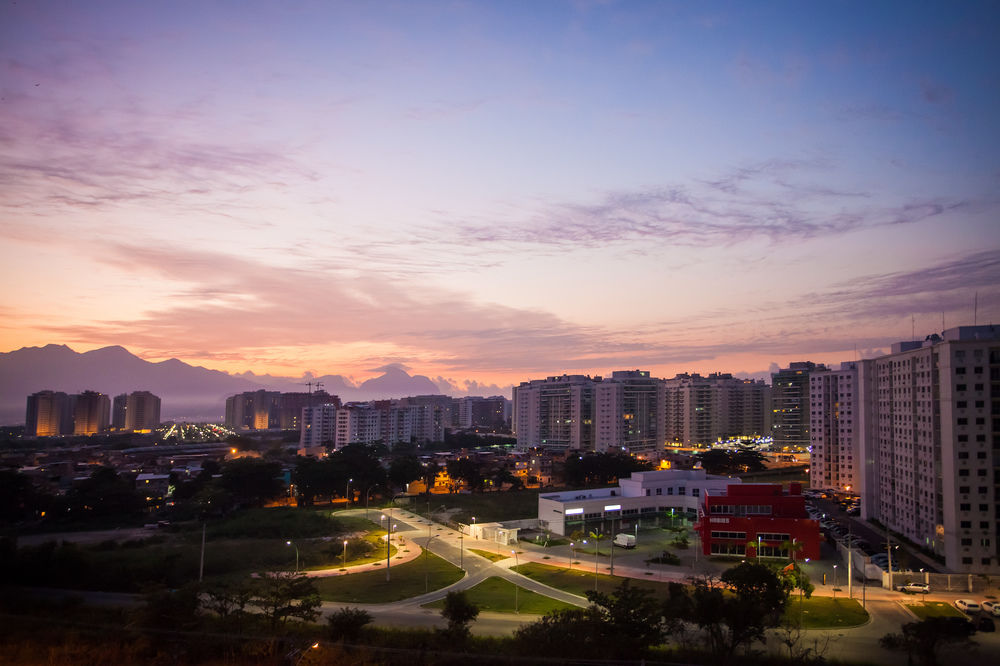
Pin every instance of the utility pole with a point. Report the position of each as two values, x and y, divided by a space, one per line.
201 565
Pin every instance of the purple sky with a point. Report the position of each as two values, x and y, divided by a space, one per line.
497 191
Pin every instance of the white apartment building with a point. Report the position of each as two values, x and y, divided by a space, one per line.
835 433
933 444
318 426
625 413
698 410
556 412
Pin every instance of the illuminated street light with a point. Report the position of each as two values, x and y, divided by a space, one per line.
289 543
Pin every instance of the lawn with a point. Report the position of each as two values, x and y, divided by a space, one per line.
489 554
407 580
826 612
580 578
486 507
497 595
926 609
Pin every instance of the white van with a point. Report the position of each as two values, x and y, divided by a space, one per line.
967 606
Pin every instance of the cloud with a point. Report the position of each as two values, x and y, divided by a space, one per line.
391 366
934 92
774 200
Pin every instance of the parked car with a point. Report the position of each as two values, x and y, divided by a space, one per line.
921 588
992 607
967 606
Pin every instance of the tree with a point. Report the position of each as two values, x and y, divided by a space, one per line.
104 494
459 612
430 474
229 601
733 618
252 481
346 624
566 633
467 470
925 638
404 469
281 595
631 620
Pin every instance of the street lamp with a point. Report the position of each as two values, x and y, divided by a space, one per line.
514 552
571 554
834 581
345 553
367 497
388 542
289 543
347 495
427 549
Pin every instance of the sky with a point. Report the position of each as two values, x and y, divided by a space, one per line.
491 192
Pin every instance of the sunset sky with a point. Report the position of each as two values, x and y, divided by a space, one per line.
492 192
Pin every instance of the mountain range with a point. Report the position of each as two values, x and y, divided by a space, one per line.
187 392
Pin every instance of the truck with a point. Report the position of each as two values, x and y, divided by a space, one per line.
624 540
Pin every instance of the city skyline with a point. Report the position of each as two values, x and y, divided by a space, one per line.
495 192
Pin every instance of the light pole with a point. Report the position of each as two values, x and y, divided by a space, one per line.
758 548
835 581
289 543
514 552
347 495
388 542
461 549
427 549
571 554
367 497
345 553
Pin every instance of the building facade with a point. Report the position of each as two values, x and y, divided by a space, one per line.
556 412
142 411
930 461
48 414
790 405
648 497
758 520
697 411
835 430
91 413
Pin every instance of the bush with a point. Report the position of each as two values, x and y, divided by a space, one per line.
348 623
666 557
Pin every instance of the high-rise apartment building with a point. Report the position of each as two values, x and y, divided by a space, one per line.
790 405
835 431
48 414
478 412
930 460
142 411
91 413
556 412
696 410
119 406
626 414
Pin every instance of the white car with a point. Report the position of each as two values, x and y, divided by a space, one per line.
967 606
922 588
992 607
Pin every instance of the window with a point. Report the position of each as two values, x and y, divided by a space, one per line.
960 387
966 542
964 490
963 421
966 524
965 507
694 492
966 560
959 371
659 491
682 490
984 524
961 404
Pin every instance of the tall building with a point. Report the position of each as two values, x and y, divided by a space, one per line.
91 413
835 430
318 426
119 406
142 411
790 405
930 460
48 414
254 410
556 412
696 410
358 423
626 414
478 412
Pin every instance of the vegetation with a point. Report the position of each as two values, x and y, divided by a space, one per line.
732 461
825 613
405 580
497 595
928 609
926 638
579 579
460 613
489 554
484 507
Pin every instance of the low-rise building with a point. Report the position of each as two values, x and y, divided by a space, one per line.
758 520
645 498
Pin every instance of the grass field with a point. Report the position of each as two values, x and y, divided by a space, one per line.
496 595
826 612
926 609
405 581
580 578
492 556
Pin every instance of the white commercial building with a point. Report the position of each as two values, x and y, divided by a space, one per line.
932 444
646 496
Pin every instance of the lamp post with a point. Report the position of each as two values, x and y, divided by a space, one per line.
514 552
289 543
758 548
367 497
347 495
427 549
345 553
388 542
461 549
571 554
835 581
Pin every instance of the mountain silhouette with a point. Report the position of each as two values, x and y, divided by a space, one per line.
187 392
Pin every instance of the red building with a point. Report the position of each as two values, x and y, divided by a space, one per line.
758 516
